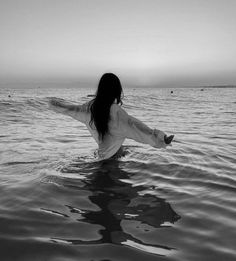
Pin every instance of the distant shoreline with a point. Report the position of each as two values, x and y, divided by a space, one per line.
92 85
214 86
187 87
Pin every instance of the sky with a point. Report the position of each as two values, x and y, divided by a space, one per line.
144 42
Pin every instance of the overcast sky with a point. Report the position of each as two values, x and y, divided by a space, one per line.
159 42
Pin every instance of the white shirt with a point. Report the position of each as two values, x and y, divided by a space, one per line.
121 126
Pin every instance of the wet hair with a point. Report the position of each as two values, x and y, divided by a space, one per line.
109 91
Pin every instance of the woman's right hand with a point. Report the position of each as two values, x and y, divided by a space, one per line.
168 139
55 101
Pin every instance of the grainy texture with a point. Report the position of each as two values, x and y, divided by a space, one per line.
58 203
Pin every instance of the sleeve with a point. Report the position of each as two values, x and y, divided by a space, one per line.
77 112
134 129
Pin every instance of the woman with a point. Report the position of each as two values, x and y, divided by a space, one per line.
108 123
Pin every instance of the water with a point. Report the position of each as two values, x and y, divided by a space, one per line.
58 203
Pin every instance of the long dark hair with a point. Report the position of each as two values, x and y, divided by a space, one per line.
109 91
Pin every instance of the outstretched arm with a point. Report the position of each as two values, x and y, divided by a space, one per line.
77 112
61 103
140 132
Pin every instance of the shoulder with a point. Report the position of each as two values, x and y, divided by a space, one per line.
117 111
115 107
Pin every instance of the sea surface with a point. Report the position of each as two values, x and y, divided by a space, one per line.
59 203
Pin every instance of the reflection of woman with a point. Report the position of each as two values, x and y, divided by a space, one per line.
108 123
118 201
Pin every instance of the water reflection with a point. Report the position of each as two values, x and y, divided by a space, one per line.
119 201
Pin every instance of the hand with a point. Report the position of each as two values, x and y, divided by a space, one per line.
168 139
55 101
